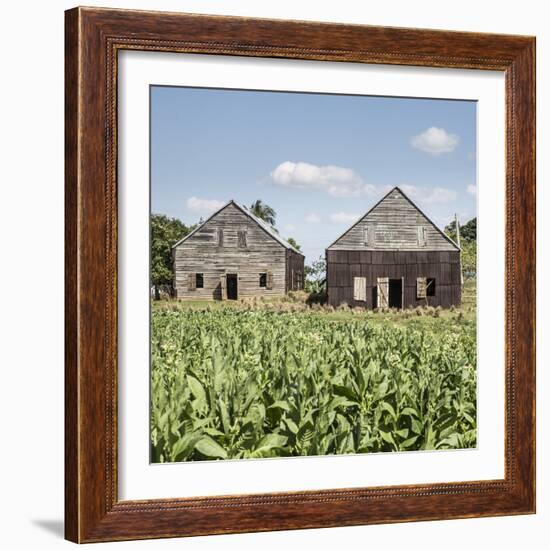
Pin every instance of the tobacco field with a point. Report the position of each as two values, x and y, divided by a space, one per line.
231 384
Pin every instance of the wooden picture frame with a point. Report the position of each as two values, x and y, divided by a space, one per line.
93 511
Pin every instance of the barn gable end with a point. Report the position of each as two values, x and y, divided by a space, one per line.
394 223
395 257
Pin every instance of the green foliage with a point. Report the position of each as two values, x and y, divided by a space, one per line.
468 231
263 211
165 232
230 383
292 242
316 274
469 258
468 245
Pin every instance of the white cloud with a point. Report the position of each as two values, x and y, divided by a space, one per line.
289 227
337 181
435 141
343 217
312 218
411 190
440 195
472 189
203 206
429 195
371 190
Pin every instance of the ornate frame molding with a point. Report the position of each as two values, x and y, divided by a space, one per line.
93 38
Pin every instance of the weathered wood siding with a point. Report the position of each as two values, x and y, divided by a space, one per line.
393 224
443 266
202 253
294 271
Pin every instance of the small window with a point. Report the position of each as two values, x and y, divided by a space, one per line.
421 235
430 287
220 237
263 280
241 238
199 280
368 236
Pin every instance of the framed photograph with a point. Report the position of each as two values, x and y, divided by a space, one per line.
300 275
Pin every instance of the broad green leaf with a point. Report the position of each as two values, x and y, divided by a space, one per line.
197 388
408 442
280 405
387 407
267 444
208 447
387 437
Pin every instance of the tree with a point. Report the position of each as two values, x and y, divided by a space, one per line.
292 242
263 211
469 258
165 232
468 231
316 275
468 245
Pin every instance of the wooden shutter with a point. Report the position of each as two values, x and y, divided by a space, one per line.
368 236
420 288
382 291
360 289
220 237
192 281
269 281
241 238
421 235
223 287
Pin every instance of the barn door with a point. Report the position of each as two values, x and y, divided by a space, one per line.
402 292
382 291
223 286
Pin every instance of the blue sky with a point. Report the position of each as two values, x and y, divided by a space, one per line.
321 161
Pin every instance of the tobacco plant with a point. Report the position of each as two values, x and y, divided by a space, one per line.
231 384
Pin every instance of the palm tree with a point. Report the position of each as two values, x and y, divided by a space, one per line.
263 211
292 242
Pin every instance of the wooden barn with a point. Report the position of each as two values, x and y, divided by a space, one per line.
232 255
394 256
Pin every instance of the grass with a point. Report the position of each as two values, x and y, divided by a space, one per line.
433 318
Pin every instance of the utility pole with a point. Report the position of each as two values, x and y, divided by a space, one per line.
457 228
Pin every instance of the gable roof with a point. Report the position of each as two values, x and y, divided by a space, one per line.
263 225
384 198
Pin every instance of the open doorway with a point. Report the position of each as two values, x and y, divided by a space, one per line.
389 293
395 291
232 286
